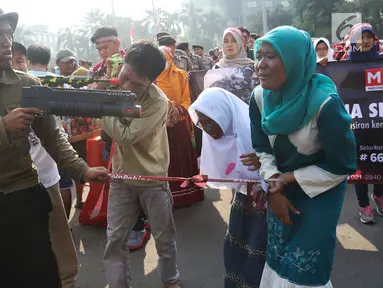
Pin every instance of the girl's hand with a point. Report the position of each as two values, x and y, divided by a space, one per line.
288 177
323 61
281 208
251 161
277 186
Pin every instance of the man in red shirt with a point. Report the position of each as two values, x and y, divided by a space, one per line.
107 43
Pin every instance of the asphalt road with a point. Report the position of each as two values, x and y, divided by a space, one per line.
200 232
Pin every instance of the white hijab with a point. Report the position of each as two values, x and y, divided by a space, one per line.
330 53
221 158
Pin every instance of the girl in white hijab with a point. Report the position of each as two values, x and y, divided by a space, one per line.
324 51
224 119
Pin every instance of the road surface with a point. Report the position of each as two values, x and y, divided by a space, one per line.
200 232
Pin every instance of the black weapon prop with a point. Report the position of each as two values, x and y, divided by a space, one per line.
81 102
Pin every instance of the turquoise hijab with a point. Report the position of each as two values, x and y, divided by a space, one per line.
293 105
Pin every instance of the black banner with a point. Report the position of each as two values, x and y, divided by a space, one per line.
361 87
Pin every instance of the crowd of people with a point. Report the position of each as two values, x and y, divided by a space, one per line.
275 129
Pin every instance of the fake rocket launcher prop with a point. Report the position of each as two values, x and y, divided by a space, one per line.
81 102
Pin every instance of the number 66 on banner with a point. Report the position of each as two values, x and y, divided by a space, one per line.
374 157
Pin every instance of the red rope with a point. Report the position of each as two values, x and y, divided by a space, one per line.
199 180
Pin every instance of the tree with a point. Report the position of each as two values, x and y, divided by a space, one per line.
24 36
67 39
94 20
123 26
213 25
172 23
371 10
191 19
155 20
278 16
315 16
141 30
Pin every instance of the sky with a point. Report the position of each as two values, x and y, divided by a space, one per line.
31 11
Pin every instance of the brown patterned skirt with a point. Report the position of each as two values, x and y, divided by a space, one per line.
183 163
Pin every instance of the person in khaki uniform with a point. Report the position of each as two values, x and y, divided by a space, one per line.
195 60
181 59
207 61
141 149
26 256
61 237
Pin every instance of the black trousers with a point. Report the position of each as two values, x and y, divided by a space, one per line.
26 255
362 193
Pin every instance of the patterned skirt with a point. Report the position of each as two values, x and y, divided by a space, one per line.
183 163
302 254
245 245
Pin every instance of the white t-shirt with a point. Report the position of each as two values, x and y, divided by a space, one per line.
45 165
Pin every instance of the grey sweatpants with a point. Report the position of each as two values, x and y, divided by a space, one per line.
123 209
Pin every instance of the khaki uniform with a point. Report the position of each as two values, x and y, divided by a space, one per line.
16 168
182 61
28 209
142 149
142 143
197 62
208 63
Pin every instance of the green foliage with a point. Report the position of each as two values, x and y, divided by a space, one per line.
314 16
197 26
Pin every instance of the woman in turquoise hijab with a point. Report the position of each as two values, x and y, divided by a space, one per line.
301 133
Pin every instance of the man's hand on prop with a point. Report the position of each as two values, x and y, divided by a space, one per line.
276 186
281 208
97 174
251 161
20 119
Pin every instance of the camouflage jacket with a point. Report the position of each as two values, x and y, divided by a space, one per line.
182 61
197 62
208 63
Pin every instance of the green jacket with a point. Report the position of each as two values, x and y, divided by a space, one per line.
16 167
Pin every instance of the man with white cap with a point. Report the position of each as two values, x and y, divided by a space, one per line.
65 60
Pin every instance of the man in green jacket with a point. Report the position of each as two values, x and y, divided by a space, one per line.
26 255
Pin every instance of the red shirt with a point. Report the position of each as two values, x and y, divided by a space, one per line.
99 70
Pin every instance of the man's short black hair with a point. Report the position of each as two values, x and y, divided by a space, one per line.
145 59
255 36
183 46
244 30
38 54
105 31
16 46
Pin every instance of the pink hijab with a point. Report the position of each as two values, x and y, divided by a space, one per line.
240 59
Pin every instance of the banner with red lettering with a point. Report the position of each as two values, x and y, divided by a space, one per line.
361 87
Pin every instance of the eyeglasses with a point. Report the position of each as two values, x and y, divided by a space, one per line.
321 49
